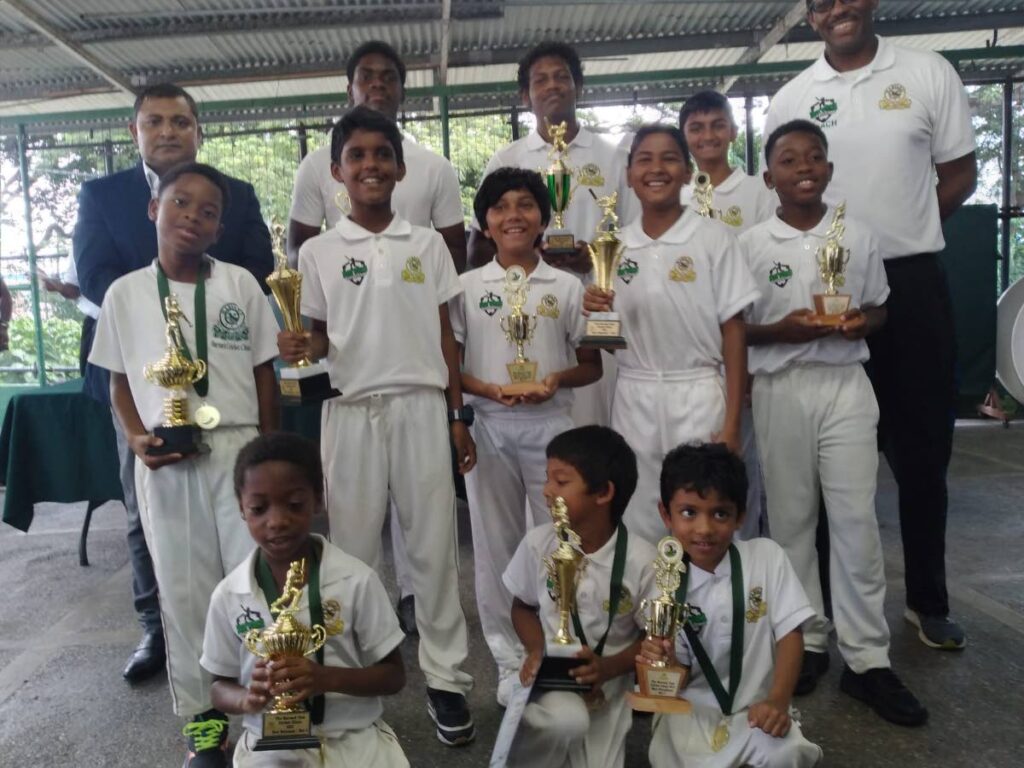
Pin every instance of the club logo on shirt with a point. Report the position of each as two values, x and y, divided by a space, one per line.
590 175
333 623
548 306
780 274
413 272
625 603
628 269
823 112
695 619
354 270
683 271
248 619
756 606
895 97
733 217
230 325
490 303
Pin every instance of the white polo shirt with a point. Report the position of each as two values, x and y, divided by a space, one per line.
428 196
379 295
742 200
241 334
674 293
887 124
554 298
527 578
596 165
349 591
775 605
784 263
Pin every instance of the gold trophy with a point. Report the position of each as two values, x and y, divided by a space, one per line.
832 258
703 193
286 726
604 329
304 380
564 567
661 681
174 372
560 241
519 328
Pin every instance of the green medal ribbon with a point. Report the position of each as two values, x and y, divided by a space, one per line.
265 579
725 700
203 385
614 592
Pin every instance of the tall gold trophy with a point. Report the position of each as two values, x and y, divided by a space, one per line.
174 372
830 306
560 241
305 380
286 726
660 682
564 567
604 329
703 194
519 327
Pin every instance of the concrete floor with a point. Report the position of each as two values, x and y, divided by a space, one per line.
66 631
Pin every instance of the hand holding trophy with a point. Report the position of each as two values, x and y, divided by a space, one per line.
832 259
519 327
604 329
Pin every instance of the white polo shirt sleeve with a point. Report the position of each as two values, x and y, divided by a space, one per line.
575 322
313 301
107 351
446 208
953 133
221 646
261 320
446 278
788 606
457 315
307 199
876 284
734 285
520 577
376 625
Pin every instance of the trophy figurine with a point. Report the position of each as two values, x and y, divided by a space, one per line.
303 381
174 372
286 726
519 328
830 306
661 681
703 192
564 567
604 329
560 241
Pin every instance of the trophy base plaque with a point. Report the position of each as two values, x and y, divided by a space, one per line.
828 309
658 704
603 331
286 730
309 383
555 672
185 439
659 688
523 376
559 242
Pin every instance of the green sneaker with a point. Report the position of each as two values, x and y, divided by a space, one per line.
937 631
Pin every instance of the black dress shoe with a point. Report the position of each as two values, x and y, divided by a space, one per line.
881 690
815 664
147 659
406 611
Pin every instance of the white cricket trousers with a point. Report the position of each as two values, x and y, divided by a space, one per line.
505 492
375 746
592 404
655 411
196 535
817 428
401 442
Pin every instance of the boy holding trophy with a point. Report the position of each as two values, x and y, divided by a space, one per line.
743 607
592 471
518 322
815 412
331 605
218 334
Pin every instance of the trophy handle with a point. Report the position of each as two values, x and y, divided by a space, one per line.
504 322
317 638
200 369
252 643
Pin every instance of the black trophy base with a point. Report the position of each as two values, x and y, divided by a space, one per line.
603 331
271 743
555 675
603 342
306 389
185 440
560 243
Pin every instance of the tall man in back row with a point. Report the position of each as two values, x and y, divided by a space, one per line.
896 119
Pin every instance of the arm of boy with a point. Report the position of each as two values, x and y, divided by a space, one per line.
128 415
771 715
734 353
304 678
474 386
798 327
266 396
653 649
858 323
587 370
465 449
234 699
596 300
597 670
531 634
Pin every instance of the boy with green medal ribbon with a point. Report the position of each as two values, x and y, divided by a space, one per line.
742 638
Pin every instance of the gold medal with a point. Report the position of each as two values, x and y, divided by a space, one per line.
720 737
207 416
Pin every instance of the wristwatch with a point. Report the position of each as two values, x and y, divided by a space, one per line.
463 414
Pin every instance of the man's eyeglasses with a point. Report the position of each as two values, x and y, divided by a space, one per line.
824 6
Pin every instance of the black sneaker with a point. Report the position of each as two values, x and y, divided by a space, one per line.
207 740
406 611
815 664
451 715
881 690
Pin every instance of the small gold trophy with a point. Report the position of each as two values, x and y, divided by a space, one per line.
286 726
304 380
519 328
604 329
174 372
660 682
703 194
564 567
832 258
560 241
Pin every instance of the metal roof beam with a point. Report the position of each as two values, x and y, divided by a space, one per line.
796 13
446 41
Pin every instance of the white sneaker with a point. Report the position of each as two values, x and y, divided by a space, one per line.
506 683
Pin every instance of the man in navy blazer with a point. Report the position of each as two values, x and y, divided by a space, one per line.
114 236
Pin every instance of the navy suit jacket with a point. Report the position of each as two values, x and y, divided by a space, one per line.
114 236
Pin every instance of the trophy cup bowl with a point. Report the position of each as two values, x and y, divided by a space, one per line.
604 329
522 372
174 372
832 258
